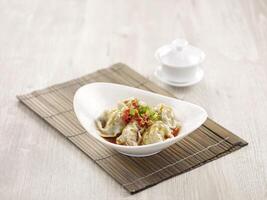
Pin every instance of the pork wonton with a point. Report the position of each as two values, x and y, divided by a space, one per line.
133 122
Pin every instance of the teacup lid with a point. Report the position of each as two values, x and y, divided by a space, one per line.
180 54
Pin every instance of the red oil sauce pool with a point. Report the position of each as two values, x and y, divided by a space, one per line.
111 139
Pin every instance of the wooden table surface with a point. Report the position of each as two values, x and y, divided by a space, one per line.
47 42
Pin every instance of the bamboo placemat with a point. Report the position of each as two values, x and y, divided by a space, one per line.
209 142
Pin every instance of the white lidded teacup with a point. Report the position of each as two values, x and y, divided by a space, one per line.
180 62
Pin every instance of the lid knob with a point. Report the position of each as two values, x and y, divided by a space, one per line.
179 44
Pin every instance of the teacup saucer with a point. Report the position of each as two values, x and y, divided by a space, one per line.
198 77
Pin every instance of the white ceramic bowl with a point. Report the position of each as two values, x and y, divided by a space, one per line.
92 99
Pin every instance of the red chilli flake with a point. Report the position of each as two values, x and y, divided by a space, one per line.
175 132
143 121
126 116
135 103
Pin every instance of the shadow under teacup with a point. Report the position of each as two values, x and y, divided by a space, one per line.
179 61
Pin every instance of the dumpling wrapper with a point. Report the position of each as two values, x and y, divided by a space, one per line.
110 123
157 132
130 136
125 103
167 115
122 105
